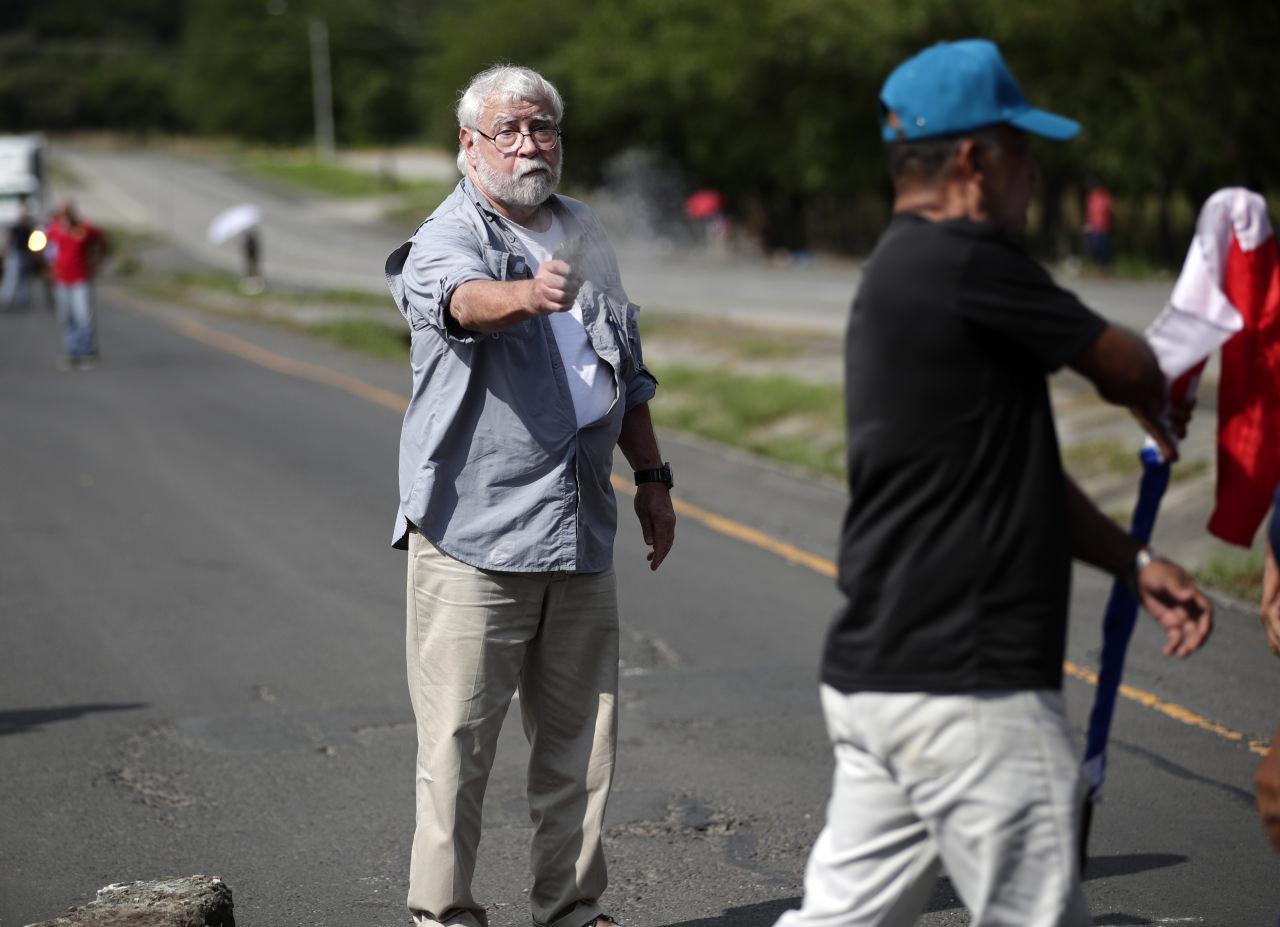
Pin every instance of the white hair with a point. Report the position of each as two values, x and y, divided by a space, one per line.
505 83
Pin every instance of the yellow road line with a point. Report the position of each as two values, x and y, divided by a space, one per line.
1177 712
718 523
741 532
303 370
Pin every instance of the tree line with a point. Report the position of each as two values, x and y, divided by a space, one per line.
773 102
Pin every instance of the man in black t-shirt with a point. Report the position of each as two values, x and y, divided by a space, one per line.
942 675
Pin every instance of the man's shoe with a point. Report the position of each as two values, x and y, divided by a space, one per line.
63 362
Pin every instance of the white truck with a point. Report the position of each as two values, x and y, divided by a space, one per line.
22 176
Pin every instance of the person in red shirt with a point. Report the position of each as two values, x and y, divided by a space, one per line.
1098 207
76 249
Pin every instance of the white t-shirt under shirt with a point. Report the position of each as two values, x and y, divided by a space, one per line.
590 379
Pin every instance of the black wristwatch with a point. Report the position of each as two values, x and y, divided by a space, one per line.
656 475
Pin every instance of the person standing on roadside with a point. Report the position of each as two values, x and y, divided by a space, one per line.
942 675
527 373
1099 209
19 262
78 250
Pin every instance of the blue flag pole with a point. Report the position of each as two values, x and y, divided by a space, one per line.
1117 628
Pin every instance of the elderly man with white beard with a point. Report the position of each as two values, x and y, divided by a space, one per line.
527 372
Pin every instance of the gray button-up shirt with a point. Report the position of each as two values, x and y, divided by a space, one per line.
493 467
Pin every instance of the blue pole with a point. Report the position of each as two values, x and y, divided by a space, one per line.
1117 627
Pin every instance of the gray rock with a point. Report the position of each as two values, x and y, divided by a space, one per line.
191 901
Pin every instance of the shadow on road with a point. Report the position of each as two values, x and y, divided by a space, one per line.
1123 864
24 720
944 897
762 914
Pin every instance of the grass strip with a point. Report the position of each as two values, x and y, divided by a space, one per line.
1236 573
305 170
775 416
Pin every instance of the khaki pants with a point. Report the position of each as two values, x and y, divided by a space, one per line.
474 637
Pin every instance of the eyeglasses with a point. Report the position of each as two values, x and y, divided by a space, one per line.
510 140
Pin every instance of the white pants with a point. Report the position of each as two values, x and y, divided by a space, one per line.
986 784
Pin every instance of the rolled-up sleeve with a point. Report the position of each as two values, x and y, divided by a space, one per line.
641 385
424 272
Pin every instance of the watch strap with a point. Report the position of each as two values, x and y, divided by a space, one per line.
656 475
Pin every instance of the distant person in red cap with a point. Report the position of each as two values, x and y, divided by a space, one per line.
78 249
942 675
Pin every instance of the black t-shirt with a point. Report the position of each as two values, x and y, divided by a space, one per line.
954 555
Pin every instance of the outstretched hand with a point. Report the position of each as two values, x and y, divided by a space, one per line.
657 520
1185 613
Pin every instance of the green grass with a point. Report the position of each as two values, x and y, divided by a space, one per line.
1103 456
417 204
62 178
744 341
1235 573
176 283
383 338
1188 469
304 170
775 416
364 335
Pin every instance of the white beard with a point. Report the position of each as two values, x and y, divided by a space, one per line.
525 189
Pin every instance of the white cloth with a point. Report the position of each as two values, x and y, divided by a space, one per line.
1199 317
987 784
591 383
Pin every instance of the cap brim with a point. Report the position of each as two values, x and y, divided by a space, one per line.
1046 125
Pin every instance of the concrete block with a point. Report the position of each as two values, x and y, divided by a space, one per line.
191 901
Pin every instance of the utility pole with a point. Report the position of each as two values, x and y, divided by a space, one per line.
321 89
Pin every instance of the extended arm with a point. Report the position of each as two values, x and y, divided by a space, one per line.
1124 369
492 305
653 500
1163 587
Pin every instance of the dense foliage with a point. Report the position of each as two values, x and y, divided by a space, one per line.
771 101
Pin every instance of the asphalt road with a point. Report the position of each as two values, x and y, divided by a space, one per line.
202 668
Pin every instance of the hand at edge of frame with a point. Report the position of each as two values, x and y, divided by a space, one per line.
1266 781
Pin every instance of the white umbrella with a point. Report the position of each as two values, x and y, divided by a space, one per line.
231 222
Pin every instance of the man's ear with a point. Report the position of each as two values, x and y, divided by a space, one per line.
966 163
467 140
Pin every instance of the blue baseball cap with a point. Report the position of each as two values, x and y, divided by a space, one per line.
956 87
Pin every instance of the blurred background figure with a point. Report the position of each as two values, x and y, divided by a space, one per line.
243 220
251 247
20 262
706 209
78 249
1099 205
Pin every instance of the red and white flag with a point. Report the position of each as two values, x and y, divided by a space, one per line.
1228 295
